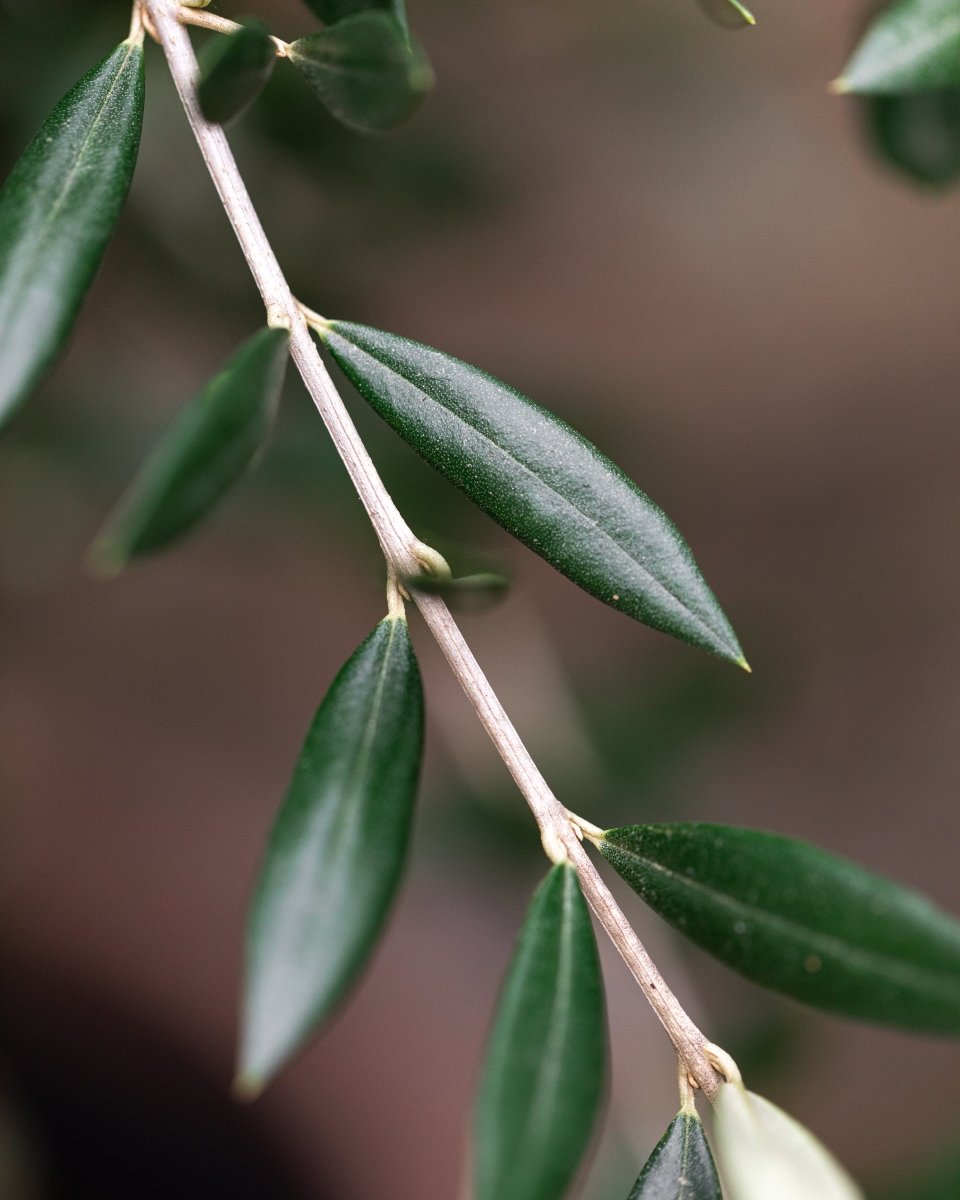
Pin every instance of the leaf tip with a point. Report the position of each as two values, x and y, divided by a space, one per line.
247 1087
423 78
105 559
840 86
729 14
726 645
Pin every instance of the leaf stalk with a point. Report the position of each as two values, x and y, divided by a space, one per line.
202 19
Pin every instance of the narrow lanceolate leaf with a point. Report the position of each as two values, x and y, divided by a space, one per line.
918 134
912 46
792 917
731 14
336 852
208 446
681 1165
539 479
543 1073
235 69
57 211
366 70
763 1153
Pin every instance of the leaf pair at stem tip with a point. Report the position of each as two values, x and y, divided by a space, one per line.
364 67
366 70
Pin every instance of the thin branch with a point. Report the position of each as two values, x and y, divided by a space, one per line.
396 539
555 827
208 20
405 555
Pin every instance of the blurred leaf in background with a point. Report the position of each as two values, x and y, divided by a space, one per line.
909 46
934 1175
918 134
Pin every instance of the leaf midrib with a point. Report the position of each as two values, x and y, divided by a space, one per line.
551 1060
81 153
351 814
685 1192
591 521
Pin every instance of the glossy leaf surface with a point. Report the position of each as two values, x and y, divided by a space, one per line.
799 920
681 1165
365 70
235 68
539 479
918 134
764 1153
208 446
543 1072
912 46
336 852
730 14
57 211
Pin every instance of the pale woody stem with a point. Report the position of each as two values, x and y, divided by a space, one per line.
555 827
395 537
400 548
208 20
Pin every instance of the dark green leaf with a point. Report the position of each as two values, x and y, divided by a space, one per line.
912 46
235 69
203 452
331 11
539 479
918 134
792 917
731 14
57 211
681 1165
366 70
336 852
543 1073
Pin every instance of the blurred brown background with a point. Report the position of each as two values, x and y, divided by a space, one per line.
675 238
